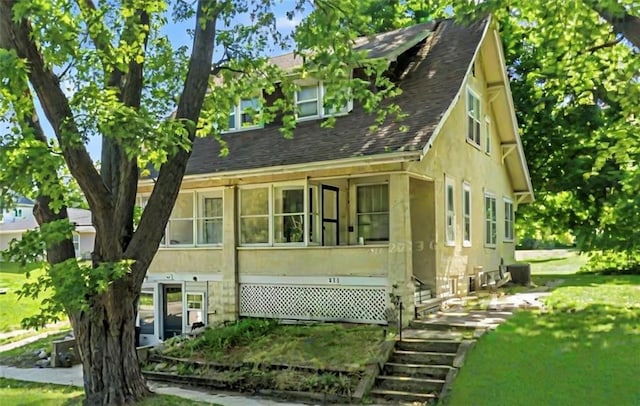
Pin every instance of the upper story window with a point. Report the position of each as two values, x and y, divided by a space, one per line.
473 117
245 114
310 102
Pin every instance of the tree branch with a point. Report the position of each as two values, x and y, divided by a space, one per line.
16 35
607 44
150 231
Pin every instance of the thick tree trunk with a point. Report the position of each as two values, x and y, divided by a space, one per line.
106 340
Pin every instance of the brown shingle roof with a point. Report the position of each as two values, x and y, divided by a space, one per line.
429 88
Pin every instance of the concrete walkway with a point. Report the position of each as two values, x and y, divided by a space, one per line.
73 376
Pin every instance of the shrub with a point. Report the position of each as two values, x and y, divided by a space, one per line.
613 263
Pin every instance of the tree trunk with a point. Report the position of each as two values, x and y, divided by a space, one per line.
105 335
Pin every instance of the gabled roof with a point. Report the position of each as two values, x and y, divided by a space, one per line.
430 85
81 217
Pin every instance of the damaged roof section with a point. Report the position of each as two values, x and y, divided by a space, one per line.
429 62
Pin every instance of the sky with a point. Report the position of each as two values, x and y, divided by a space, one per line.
178 35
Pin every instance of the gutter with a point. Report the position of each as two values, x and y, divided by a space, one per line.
379 159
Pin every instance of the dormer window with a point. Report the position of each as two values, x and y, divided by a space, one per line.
309 100
245 114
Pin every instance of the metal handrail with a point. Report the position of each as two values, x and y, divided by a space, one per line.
420 286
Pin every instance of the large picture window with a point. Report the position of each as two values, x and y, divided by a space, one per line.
373 212
490 220
473 117
508 220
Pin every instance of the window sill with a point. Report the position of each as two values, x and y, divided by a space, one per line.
239 130
312 247
320 117
191 247
466 244
508 241
474 144
490 246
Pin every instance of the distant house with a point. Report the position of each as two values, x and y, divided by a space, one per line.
20 219
329 224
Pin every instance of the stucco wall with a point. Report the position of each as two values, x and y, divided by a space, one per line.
452 156
195 260
5 239
314 261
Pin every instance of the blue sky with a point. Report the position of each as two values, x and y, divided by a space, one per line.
178 34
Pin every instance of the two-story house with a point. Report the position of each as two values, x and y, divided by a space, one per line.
328 224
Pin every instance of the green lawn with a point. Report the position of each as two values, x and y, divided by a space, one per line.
12 310
18 393
582 351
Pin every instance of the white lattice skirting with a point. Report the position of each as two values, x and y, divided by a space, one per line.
326 303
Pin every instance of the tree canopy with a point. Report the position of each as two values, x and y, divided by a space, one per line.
108 69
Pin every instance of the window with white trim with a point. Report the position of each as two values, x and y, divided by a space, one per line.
487 135
310 102
490 220
245 114
272 215
288 216
466 214
450 211
196 219
209 218
508 220
180 227
473 117
372 212
254 216
195 308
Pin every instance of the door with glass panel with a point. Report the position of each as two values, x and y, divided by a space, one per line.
147 316
330 215
172 311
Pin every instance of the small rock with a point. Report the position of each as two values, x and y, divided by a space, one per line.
43 363
174 368
43 354
160 366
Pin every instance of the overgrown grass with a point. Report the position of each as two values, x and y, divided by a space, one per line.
12 309
14 392
340 346
582 351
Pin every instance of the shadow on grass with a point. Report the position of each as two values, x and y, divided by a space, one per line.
12 268
543 260
587 356
586 279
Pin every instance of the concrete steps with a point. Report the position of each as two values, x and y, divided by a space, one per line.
416 371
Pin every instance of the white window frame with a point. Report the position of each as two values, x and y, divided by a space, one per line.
509 220
449 211
199 215
76 244
359 214
490 224
466 214
202 310
320 106
172 219
471 136
272 215
237 116
487 136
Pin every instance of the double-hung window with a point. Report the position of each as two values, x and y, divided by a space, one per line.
508 220
372 212
490 220
245 114
466 214
254 216
288 216
310 100
473 117
180 228
450 214
272 215
209 219
195 308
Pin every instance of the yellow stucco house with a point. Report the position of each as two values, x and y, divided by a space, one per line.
329 224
